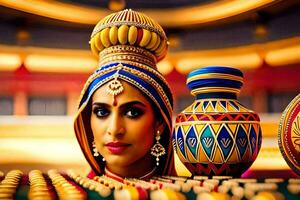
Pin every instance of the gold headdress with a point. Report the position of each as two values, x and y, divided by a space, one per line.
141 38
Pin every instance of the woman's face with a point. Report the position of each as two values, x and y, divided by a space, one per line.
124 130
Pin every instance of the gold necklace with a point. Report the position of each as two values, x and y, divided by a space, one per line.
112 175
149 174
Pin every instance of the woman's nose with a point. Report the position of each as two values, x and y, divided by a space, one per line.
116 126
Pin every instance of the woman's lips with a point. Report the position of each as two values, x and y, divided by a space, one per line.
116 147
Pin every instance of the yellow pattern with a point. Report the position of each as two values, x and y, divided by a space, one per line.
190 156
199 108
185 128
216 128
189 109
234 156
209 108
242 108
246 126
219 107
232 128
230 108
199 128
218 157
180 155
202 155
295 133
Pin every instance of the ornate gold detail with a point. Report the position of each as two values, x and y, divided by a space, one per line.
296 133
127 53
130 18
115 87
214 89
158 150
131 29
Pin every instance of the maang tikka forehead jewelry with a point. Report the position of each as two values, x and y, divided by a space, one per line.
115 87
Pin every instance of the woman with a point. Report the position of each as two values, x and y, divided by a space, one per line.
124 120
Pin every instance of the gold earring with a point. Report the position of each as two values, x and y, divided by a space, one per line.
96 153
157 150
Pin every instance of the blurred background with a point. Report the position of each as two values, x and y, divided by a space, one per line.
45 60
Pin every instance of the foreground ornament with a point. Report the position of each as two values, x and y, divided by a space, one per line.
216 135
289 134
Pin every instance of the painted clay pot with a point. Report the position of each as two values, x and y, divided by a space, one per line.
216 135
289 134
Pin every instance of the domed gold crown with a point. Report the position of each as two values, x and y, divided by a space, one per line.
128 35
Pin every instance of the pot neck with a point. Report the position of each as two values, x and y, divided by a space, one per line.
216 95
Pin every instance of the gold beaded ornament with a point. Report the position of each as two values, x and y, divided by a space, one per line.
129 28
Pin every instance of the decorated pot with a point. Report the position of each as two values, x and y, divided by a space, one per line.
216 135
289 134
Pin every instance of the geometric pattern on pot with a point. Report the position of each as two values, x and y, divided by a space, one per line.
216 105
217 143
249 117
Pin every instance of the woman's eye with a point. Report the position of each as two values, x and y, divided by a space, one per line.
134 112
101 112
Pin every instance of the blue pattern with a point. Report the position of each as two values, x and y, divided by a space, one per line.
207 141
216 69
192 141
225 141
252 138
180 141
241 141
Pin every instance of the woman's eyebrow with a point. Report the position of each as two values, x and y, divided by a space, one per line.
127 104
132 103
100 104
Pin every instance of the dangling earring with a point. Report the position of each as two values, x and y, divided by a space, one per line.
157 150
96 153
